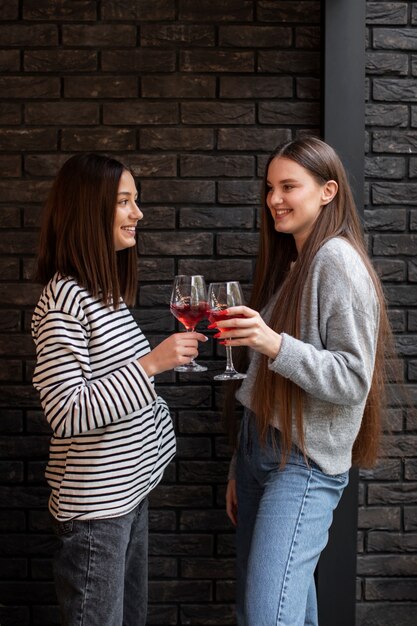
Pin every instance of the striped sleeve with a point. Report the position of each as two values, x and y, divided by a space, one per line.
74 402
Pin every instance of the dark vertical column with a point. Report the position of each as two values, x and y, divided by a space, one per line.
343 125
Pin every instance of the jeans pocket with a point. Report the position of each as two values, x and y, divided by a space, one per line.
62 528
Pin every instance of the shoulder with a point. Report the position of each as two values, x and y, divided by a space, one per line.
62 296
338 270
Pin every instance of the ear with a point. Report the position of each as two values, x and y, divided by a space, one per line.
328 192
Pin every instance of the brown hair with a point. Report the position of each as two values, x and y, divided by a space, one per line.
76 236
276 252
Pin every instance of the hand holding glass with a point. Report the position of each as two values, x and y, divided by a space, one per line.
221 296
189 305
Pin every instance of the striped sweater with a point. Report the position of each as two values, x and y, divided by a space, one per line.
112 435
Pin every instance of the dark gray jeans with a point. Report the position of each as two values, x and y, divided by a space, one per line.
101 570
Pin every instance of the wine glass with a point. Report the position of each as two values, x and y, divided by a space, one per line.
221 296
189 305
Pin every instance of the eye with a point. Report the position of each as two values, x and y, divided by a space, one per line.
288 187
123 202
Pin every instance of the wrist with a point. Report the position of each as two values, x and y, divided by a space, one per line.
148 365
274 346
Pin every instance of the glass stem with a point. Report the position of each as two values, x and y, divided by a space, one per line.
229 361
190 330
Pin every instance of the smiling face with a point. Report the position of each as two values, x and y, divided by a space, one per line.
295 199
127 213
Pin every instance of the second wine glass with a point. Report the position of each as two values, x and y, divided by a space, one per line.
189 305
221 296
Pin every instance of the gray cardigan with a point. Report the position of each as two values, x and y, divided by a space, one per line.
334 358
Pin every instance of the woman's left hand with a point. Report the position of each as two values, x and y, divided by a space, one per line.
248 329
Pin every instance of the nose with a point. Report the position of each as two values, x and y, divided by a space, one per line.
276 198
136 212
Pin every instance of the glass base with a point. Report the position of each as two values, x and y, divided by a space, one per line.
233 375
190 367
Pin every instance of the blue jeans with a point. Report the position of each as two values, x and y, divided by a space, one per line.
284 516
101 570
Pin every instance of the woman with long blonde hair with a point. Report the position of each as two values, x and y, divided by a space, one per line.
314 389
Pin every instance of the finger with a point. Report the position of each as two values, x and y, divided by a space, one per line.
241 310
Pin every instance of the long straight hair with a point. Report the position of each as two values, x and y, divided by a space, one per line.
76 237
339 218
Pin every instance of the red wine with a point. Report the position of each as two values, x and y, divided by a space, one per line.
189 314
219 315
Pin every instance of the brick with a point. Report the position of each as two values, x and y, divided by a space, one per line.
386 63
180 496
10 167
140 112
155 269
182 244
391 589
10 114
386 219
203 471
62 113
308 88
162 568
155 35
10 370
9 9
391 493
379 517
98 139
190 447
176 139
151 165
383 541
56 60
256 87
410 518
27 35
9 270
386 13
138 60
413 220
158 218
199 423
387 565
394 193
412 370
395 38
279 62
245 244
216 520
177 191
216 10
281 11
226 269
59 10
28 139
212 218
216 61
255 36
386 167
414 116
394 90
207 568
183 591
9 60
216 166
307 38
390 270
242 192
387 115
289 113
167 86
102 35
100 87
21 86
42 165
142 10
217 113
213 614
264 140
19 294
9 321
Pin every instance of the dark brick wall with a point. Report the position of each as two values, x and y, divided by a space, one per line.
387 538
192 94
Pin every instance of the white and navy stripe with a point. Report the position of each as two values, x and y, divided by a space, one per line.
112 435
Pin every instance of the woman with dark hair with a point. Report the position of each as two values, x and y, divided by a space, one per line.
314 388
112 434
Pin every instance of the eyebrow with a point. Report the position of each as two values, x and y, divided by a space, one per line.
126 193
285 181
